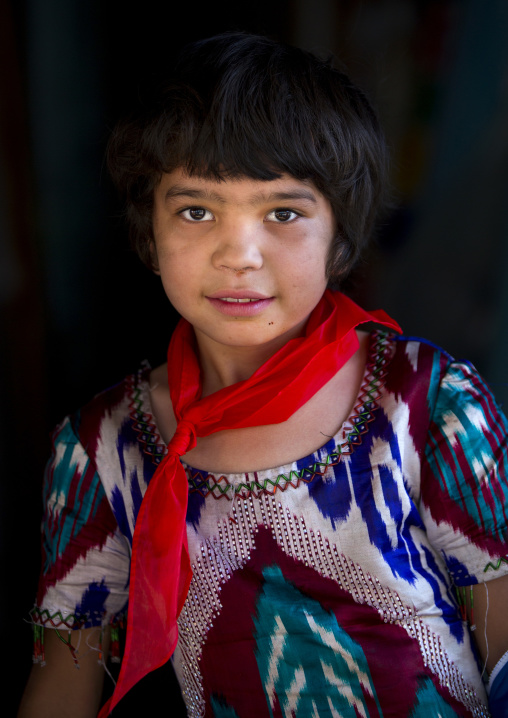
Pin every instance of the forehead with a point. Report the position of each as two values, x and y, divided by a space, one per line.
238 190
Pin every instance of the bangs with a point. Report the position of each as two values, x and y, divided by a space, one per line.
220 149
257 130
256 108
241 105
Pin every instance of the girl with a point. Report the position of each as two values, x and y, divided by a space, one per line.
307 516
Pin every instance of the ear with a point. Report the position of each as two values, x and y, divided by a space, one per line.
154 260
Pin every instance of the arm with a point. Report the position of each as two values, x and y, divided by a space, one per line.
489 614
83 582
59 689
466 488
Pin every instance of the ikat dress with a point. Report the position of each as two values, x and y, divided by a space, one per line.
327 587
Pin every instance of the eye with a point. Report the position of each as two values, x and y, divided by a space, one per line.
196 214
282 215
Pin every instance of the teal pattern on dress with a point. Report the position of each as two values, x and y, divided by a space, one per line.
462 453
221 709
430 703
86 498
306 660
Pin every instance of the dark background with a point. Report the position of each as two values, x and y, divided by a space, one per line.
77 309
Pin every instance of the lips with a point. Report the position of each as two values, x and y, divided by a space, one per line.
244 300
239 303
237 294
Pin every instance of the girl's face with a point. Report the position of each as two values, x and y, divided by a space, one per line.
242 260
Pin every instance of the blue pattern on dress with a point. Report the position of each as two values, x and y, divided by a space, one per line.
196 503
137 493
459 572
118 507
444 602
93 603
404 558
332 497
323 452
124 440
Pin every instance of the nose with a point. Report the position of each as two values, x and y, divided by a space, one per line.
238 248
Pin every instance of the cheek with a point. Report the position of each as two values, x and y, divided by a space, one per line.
154 259
176 279
311 263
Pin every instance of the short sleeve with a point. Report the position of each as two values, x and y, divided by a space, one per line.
464 477
85 559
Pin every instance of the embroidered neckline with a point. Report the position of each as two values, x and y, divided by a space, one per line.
220 486
143 421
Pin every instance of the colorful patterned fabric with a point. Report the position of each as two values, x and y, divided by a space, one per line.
321 588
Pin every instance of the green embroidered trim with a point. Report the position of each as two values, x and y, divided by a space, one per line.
465 602
143 422
497 565
357 425
56 620
43 619
379 357
115 651
222 487
38 653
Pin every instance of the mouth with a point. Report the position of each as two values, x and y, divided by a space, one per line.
234 295
236 303
238 300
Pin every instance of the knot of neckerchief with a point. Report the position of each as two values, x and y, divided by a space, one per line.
160 566
184 438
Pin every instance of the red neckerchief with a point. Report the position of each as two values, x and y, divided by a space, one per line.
160 567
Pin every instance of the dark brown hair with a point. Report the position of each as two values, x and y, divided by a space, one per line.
243 105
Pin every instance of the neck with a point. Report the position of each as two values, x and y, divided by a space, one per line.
223 366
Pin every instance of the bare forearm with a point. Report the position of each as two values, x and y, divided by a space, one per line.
59 689
488 614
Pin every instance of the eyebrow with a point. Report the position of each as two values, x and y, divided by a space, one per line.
305 194
178 190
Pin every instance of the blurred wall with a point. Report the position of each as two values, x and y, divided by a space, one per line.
78 311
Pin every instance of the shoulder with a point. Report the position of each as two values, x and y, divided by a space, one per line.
78 437
420 366
464 437
428 391
111 443
450 383
417 358
111 432
409 370
445 410
111 411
